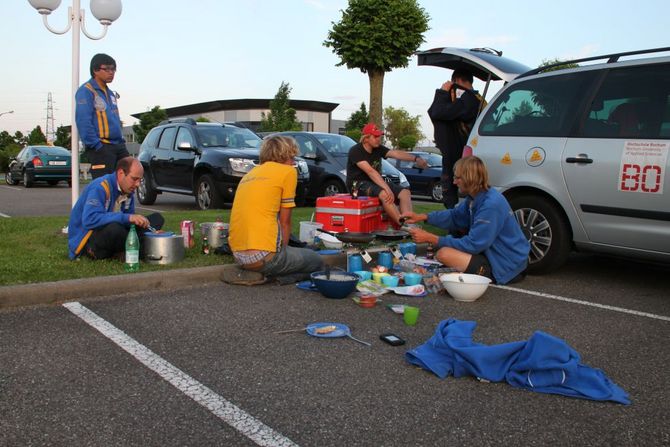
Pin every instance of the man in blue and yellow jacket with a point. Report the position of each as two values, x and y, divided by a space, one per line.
98 119
101 218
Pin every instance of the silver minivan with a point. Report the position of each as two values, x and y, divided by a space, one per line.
581 153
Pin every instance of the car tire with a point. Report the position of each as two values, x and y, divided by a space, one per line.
27 181
547 230
332 187
436 191
69 183
206 195
9 180
146 194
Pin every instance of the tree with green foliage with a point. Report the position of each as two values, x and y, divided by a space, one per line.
36 136
281 116
357 119
148 121
5 139
63 137
377 36
398 124
20 139
7 153
203 119
561 66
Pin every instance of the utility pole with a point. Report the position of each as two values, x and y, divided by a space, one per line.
50 132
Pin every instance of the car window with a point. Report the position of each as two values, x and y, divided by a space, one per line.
219 136
167 138
544 106
184 136
632 102
54 150
151 140
307 147
404 164
336 144
21 153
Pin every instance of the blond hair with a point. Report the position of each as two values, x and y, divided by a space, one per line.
473 174
279 149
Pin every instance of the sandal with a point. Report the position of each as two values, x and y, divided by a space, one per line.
234 274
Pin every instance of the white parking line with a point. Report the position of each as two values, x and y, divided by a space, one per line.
4 215
585 303
246 424
148 209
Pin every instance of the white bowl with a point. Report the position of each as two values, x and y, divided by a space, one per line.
464 286
329 241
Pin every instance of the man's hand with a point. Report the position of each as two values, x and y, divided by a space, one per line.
447 86
139 220
421 163
412 218
420 235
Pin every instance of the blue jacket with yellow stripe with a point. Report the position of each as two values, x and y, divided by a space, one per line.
97 115
95 209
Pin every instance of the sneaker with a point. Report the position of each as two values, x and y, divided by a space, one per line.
234 274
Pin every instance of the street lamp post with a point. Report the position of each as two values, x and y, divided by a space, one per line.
106 11
4 113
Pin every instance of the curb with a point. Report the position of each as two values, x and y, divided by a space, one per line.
74 289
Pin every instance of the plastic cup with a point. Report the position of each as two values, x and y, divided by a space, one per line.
412 279
364 274
411 315
378 277
390 280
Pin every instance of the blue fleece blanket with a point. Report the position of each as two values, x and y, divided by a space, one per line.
544 363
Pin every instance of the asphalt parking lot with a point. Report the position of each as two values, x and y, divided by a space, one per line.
186 366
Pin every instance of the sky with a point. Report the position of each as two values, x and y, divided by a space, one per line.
171 53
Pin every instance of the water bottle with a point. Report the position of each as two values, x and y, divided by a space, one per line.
132 251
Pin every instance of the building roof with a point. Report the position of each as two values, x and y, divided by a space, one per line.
243 104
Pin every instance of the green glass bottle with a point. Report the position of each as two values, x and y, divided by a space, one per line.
132 251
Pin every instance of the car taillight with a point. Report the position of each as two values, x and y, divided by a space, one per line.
467 151
37 161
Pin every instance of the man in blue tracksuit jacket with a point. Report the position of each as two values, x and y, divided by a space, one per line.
101 218
97 118
494 245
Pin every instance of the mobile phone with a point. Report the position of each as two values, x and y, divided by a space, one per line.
392 339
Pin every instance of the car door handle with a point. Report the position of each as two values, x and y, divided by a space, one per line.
581 158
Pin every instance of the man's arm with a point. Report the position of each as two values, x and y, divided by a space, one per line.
443 108
84 114
285 224
95 215
408 156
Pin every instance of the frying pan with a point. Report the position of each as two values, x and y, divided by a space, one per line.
350 237
390 235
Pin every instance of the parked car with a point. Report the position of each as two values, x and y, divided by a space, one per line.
326 157
206 160
425 182
581 154
50 164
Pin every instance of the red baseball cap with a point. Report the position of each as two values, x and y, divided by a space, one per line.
371 129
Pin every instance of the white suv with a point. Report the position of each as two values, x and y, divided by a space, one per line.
581 154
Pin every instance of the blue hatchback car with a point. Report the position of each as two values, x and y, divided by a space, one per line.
425 182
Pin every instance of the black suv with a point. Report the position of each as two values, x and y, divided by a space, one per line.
206 160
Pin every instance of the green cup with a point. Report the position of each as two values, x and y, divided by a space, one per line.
410 315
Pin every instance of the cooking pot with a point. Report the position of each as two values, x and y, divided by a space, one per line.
390 235
162 248
216 232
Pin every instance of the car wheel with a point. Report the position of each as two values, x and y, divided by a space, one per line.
146 194
52 182
9 180
332 187
69 183
547 230
27 181
436 191
206 195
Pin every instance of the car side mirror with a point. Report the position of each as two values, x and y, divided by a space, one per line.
185 146
311 156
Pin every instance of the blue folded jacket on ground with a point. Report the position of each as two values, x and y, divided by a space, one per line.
544 363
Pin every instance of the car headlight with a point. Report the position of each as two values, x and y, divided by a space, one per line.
242 164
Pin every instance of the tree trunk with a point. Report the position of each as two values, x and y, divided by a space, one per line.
376 90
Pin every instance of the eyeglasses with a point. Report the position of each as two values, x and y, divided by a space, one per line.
108 69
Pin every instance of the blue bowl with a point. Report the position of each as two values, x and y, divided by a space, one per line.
340 284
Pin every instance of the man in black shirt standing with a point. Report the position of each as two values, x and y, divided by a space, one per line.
364 167
453 113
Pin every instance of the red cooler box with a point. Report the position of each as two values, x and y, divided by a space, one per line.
340 212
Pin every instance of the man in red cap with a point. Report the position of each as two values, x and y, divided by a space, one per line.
364 168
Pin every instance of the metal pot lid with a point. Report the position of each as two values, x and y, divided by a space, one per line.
399 234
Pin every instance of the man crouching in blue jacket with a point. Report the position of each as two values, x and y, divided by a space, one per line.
494 245
101 218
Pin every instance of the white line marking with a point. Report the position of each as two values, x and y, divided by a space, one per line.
585 303
246 424
148 209
4 215
13 187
